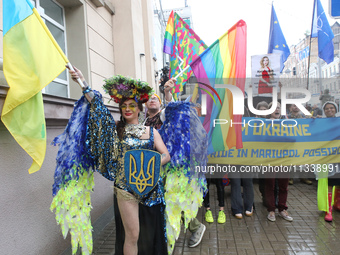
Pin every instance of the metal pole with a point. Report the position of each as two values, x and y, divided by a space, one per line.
320 74
310 45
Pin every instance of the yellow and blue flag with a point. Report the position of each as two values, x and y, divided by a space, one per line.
322 30
31 60
277 42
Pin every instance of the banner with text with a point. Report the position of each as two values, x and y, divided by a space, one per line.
284 142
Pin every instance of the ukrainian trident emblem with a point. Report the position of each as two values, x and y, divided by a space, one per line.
142 169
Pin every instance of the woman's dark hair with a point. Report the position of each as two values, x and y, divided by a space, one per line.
121 123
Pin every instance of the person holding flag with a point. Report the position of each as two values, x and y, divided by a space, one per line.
117 139
148 216
98 143
155 118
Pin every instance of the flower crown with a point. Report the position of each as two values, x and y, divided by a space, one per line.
120 86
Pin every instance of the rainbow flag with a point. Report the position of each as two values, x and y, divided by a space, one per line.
184 46
224 62
169 32
32 59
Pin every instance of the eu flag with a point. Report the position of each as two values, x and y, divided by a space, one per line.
277 42
322 30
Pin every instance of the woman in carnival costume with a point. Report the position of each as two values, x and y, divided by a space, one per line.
107 142
92 140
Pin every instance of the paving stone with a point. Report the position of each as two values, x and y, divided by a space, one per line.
307 234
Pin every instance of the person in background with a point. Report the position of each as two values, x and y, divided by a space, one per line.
217 181
155 117
326 184
241 201
316 111
294 113
220 196
263 105
325 97
282 179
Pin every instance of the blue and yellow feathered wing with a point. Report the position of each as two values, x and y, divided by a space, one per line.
182 133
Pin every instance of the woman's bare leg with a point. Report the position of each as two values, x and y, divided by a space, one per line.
129 213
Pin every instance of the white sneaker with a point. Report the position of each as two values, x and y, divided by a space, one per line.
284 215
271 216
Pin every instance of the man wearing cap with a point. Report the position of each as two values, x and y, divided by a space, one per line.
155 118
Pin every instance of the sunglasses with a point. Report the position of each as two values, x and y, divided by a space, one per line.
132 107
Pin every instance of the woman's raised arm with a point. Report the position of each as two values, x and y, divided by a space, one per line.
87 91
161 148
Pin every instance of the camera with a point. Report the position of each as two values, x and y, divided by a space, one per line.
164 78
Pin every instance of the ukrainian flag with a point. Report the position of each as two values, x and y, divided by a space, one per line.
32 59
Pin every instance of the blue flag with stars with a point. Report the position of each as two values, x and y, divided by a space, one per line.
322 30
277 42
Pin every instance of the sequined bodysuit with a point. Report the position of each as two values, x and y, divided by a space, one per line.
108 150
131 143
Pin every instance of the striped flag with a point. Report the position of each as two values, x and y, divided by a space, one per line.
169 32
223 62
32 59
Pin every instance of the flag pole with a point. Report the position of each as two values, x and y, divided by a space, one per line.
310 45
87 91
81 84
310 50
182 71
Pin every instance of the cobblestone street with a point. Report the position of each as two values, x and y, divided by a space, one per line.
307 234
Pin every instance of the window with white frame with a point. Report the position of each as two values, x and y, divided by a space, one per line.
53 15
